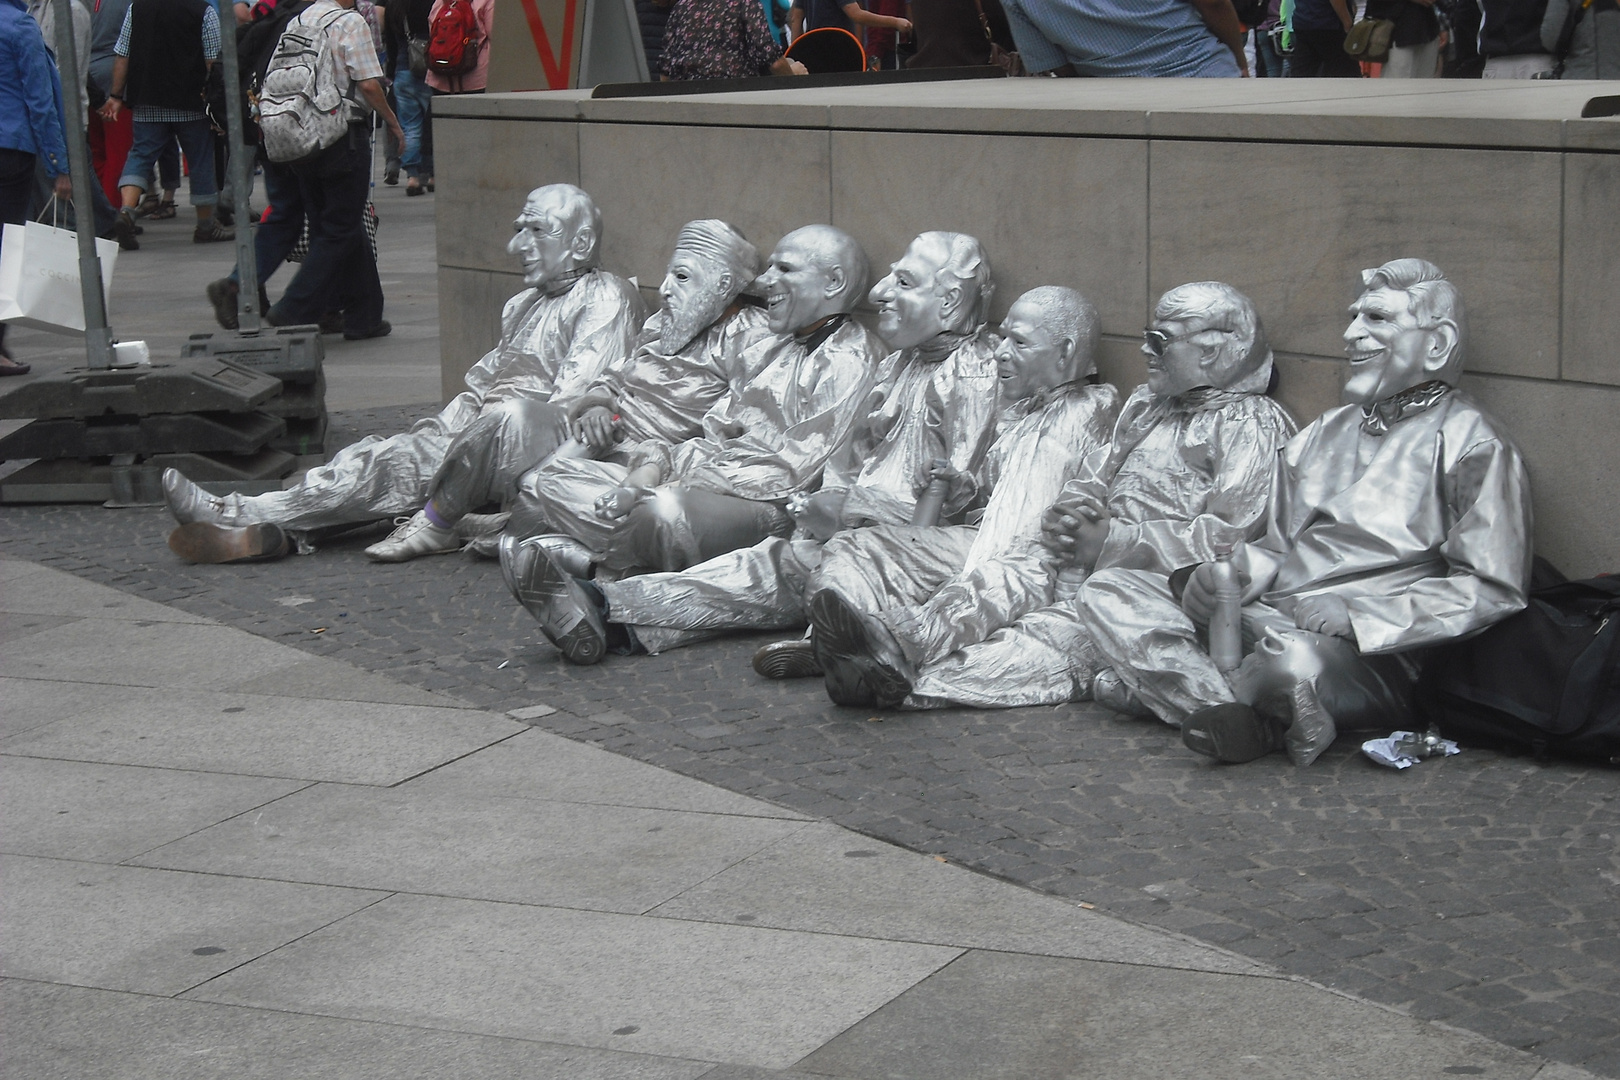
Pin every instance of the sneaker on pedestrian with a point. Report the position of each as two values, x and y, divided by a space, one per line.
416 536
391 176
223 295
124 231
210 231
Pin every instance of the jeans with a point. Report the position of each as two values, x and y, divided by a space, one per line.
1267 58
276 235
339 270
196 139
415 116
1320 54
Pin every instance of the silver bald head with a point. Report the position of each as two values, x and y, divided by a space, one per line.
1049 338
814 272
558 231
712 264
1406 328
941 285
1206 334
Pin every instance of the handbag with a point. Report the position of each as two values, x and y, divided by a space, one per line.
1369 40
416 57
39 275
1011 64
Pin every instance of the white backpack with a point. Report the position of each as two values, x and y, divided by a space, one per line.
301 110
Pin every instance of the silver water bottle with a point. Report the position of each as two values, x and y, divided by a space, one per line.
931 503
1226 623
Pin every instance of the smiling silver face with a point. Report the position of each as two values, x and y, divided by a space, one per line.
909 300
1388 350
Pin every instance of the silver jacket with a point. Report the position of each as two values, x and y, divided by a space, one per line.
554 346
1415 513
665 397
771 439
1187 473
937 400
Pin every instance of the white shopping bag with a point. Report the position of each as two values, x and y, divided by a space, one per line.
39 277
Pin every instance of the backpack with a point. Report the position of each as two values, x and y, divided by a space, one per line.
255 46
1545 681
301 110
453 40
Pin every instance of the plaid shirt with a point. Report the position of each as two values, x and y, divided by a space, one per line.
152 114
353 50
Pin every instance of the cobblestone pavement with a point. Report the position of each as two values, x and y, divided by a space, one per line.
1481 890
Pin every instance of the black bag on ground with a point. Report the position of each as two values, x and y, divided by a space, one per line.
1545 681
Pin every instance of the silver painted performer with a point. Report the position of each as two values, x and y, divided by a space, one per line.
557 337
1399 520
938 401
706 342
1188 467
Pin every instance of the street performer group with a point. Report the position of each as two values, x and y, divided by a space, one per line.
934 509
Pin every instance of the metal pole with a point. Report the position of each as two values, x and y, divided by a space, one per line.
98 341
240 160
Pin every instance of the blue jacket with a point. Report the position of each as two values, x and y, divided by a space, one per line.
31 115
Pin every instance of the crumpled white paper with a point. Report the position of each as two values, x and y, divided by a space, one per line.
1394 751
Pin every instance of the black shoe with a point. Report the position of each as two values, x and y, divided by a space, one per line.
382 329
794 659
331 322
391 176
860 660
223 295
414 188
124 231
225 216
1233 733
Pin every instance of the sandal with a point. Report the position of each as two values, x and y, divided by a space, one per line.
162 210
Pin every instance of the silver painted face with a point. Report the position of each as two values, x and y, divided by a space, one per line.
542 241
1030 359
797 289
909 301
1388 350
1178 355
694 294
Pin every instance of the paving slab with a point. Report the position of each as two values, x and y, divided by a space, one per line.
30 703
607 858
144 653
830 880
994 1016
151 931
540 765
14 626
107 813
715 993
317 677
38 590
348 742
69 1033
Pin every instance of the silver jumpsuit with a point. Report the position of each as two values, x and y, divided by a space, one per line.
1182 474
1415 512
927 406
552 347
659 398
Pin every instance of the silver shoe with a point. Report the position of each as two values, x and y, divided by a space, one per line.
553 596
190 503
1110 691
416 536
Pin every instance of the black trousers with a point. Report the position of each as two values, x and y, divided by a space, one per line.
16 191
339 271
1320 54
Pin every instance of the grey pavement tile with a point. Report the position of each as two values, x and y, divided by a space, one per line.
348 742
108 813
318 677
44 591
14 626
150 931
653 986
830 880
605 858
143 653
70 1033
993 1016
540 765
26 704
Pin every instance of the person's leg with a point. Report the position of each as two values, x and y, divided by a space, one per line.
1141 632
754 588
334 200
1412 61
561 498
891 566
484 462
414 102
972 606
147 142
1045 658
197 140
16 189
278 233
679 527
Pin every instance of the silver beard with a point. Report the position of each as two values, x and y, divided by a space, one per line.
678 326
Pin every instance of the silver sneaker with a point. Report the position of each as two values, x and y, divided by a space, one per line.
1110 691
554 597
416 536
190 503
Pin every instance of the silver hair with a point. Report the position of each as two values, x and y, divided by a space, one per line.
1066 313
576 210
967 266
1433 298
1224 308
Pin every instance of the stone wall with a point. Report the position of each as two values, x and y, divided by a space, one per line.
1124 189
